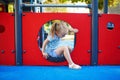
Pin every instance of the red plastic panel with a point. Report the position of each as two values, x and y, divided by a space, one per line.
7 55
109 40
32 22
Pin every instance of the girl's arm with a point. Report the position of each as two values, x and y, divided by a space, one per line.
45 55
69 28
73 30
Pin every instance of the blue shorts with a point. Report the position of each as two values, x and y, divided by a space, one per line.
52 53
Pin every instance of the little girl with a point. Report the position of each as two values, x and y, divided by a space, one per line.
58 30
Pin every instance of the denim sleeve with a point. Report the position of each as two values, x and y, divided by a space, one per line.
49 37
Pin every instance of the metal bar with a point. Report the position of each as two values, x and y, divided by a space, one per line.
105 6
42 29
18 32
41 10
43 34
56 5
94 55
31 2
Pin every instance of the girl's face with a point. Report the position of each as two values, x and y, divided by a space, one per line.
62 33
62 30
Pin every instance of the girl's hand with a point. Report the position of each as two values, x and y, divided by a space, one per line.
75 30
45 55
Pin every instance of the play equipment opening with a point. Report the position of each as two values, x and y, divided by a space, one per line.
67 40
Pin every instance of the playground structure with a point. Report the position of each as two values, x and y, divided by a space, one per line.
97 42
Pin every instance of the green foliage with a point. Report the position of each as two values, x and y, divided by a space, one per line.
87 1
111 3
62 1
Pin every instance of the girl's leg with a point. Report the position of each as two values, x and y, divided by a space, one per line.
65 50
70 49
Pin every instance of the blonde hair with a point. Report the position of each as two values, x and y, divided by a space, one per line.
56 27
59 27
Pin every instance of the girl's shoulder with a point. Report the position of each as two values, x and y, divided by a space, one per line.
50 38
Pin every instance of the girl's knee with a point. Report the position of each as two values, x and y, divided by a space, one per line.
70 48
64 47
67 48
